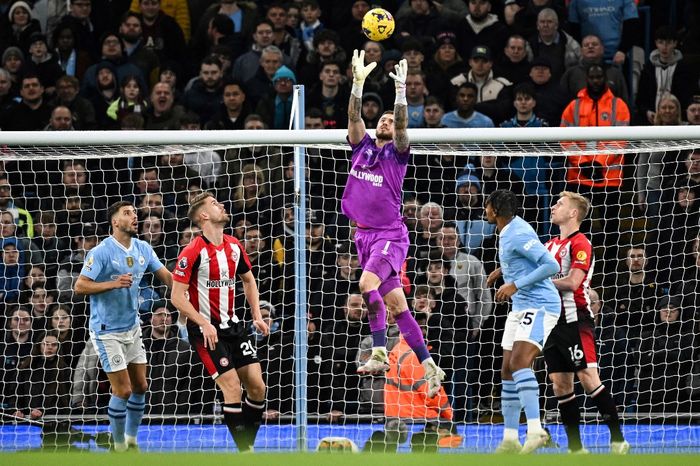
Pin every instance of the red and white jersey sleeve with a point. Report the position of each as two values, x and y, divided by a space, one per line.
210 273
574 252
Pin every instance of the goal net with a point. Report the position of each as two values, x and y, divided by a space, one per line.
54 190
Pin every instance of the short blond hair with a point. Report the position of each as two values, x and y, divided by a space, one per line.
195 205
581 204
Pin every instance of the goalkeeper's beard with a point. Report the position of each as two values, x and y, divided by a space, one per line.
384 135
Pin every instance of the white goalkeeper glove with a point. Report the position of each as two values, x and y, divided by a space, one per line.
399 78
360 71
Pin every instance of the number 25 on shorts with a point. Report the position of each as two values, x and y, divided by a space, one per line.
527 319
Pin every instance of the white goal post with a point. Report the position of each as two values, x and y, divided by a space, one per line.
337 136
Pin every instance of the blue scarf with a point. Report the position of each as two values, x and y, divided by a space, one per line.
69 65
283 110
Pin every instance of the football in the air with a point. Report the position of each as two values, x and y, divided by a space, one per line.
378 24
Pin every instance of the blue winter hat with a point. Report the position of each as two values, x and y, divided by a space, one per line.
468 179
11 240
284 72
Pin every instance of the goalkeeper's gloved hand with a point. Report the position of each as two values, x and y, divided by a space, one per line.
360 71
399 78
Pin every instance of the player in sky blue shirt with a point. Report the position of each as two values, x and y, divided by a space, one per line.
110 276
116 310
527 268
524 264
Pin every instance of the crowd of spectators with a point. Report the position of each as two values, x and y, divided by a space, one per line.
187 65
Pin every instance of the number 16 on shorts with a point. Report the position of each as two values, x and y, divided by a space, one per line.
576 354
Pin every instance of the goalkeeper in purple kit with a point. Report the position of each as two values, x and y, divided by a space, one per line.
372 199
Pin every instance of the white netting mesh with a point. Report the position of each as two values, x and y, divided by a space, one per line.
53 202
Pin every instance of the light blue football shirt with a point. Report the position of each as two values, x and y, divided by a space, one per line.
521 253
117 310
476 120
604 19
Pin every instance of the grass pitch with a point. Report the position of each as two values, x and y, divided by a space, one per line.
337 459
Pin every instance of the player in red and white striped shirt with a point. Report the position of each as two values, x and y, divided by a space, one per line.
204 281
571 346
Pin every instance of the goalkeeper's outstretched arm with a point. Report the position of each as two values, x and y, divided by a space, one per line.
356 126
400 106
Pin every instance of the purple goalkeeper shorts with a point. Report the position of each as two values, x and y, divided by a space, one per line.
383 253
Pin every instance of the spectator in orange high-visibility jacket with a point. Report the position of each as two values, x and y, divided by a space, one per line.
406 391
597 175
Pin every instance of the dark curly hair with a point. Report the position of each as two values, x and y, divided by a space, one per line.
504 203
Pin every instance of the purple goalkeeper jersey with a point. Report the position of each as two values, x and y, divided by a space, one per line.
373 193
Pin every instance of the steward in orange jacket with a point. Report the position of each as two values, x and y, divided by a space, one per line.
406 391
595 105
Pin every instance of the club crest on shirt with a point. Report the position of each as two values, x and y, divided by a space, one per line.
234 256
142 260
129 261
562 253
182 263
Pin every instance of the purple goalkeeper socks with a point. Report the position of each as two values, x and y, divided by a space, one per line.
413 335
377 317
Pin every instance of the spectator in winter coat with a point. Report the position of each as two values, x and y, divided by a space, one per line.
175 382
514 65
161 33
15 345
43 63
666 356
11 270
480 27
44 378
234 109
554 43
445 65
574 78
20 28
113 52
261 83
665 72
205 95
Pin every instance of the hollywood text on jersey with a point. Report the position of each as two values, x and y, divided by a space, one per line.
226 283
376 180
